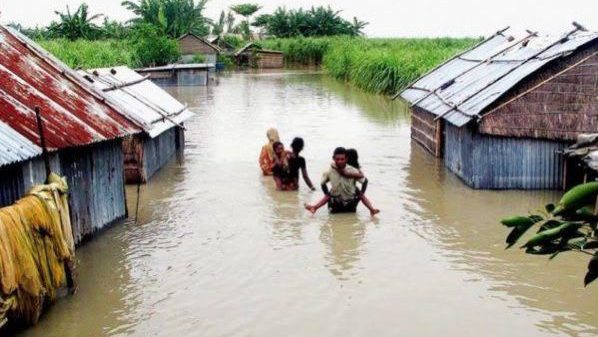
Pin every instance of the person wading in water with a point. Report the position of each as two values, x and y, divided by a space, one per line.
287 166
266 158
343 195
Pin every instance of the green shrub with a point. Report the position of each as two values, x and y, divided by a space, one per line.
153 48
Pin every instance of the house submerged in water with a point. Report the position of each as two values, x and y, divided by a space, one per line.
82 132
152 109
501 113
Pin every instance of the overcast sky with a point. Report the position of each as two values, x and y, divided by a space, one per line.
387 18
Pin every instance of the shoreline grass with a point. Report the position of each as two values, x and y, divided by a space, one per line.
381 66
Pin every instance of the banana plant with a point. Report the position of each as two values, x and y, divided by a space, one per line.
570 225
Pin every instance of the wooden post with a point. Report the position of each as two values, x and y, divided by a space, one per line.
40 129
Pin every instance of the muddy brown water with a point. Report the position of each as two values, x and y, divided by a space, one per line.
218 252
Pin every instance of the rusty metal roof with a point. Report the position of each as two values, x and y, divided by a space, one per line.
74 114
14 147
461 88
142 101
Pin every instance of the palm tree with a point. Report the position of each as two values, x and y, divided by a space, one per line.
173 17
77 25
246 10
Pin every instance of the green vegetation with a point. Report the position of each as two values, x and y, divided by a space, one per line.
77 25
318 21
569 226
146 47
92 54
245 10
173 17
382 66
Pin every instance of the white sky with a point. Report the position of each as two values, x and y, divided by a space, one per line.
387 18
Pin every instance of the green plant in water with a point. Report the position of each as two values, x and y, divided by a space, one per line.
199 58
571 225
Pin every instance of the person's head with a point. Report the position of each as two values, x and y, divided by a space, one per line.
278 147
340 157
272 135
297 145
353 158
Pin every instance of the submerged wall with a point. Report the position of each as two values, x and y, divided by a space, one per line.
96 182
490 162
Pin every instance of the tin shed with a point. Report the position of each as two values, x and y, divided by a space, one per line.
159 114
83 134
502 112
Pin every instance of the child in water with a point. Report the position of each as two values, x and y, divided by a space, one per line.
352 161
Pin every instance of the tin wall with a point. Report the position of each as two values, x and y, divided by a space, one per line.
96 184
489 162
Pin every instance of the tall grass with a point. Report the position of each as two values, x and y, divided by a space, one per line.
382 66
92 54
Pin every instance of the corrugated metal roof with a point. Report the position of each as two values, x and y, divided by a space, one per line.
14 147
74 114
145 103
463 87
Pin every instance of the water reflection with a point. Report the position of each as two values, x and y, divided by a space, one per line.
343 236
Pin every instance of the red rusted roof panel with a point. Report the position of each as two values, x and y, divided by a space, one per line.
73 113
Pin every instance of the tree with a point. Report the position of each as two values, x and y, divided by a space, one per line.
218 26
152 47
173 17
572 225
246 10
318 21
77 25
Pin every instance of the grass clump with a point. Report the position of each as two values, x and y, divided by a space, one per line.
92 54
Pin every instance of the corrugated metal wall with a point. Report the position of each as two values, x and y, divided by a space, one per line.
95 178
158 151
488 162
180 77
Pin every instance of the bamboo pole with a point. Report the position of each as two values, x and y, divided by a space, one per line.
40 130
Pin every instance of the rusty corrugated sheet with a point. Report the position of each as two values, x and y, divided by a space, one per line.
460 89
73 113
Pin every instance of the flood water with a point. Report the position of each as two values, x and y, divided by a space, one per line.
218 252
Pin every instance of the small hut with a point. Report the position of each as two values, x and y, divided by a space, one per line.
83 134
502 112
254 56
191 45
151 108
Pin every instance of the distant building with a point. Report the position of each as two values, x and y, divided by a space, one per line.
191 45
180 75
501 113
252 55
83 134
151 108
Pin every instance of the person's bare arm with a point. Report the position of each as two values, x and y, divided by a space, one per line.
306 179
357 175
